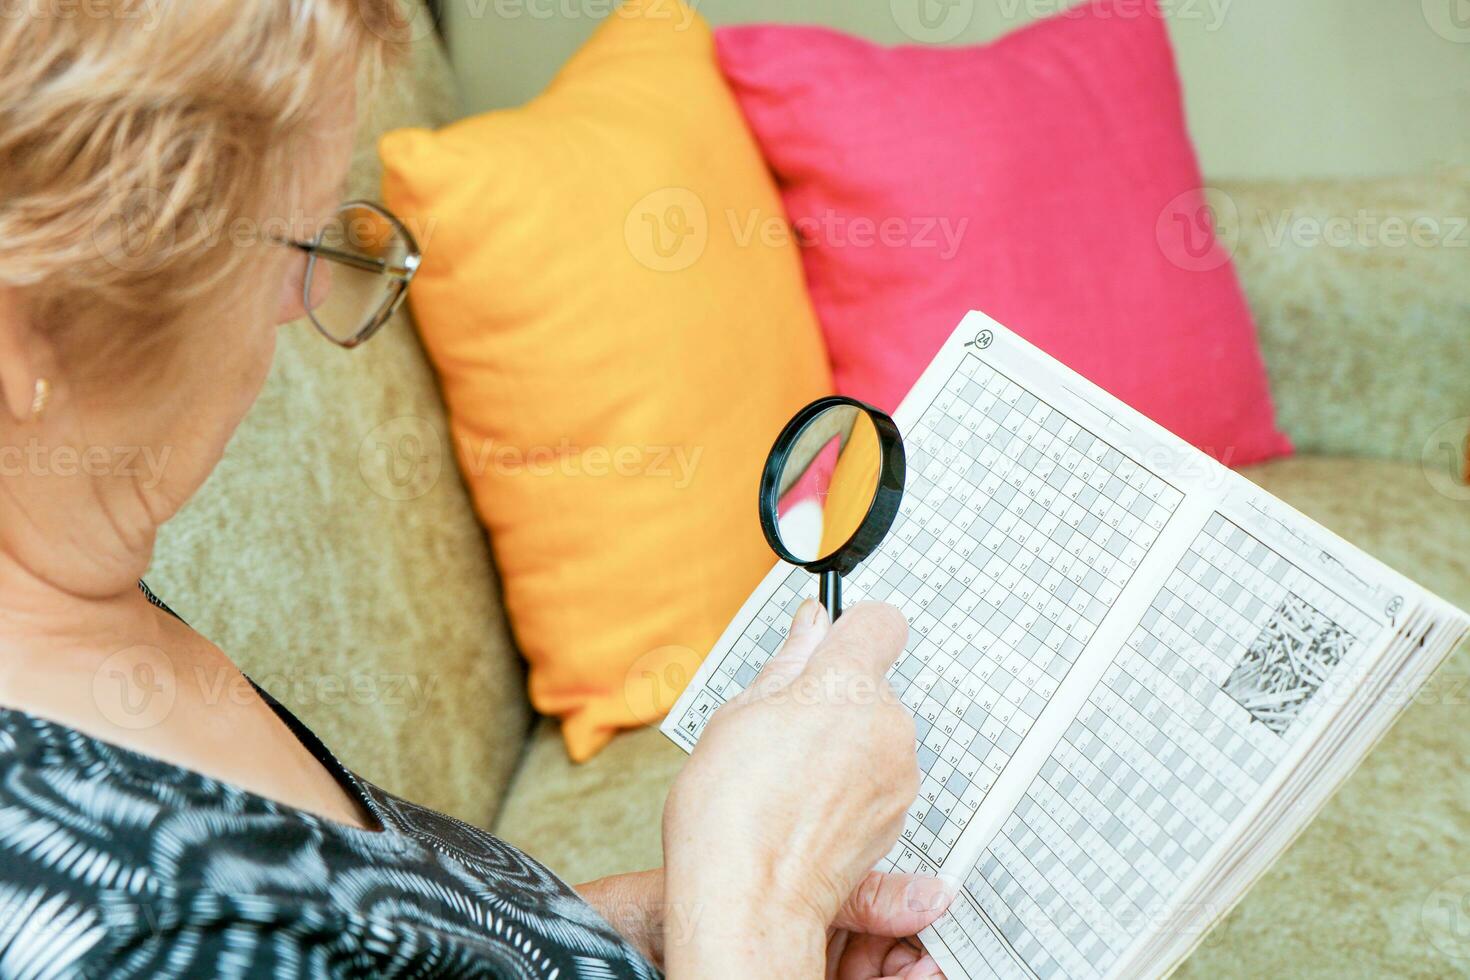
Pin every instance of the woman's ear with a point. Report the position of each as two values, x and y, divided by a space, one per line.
19 372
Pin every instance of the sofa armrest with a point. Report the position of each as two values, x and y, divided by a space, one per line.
1361 292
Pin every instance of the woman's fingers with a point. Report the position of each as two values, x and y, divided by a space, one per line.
904 954
869 637
924 969
867 958
809 627
895 905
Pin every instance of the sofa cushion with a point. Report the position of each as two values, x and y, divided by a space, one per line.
1347 898
617 353
919 194
335 556
595 818
1350 276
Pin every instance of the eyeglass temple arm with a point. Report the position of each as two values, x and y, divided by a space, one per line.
348 258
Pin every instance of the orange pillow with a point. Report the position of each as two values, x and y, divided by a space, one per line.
615 306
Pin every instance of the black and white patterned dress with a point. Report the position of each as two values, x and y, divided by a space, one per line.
116 864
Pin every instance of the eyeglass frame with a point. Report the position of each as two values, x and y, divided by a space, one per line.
401 276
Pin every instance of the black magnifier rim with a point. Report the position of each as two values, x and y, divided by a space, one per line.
875 524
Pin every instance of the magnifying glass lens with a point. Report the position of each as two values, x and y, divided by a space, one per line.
831 488
828 483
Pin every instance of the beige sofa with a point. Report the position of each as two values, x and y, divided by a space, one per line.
336 556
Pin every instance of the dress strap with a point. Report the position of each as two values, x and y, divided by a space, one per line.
148 594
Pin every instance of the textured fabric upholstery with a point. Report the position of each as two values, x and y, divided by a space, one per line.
1358 287
335 556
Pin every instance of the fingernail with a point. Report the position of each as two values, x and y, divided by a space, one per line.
806 614
929 895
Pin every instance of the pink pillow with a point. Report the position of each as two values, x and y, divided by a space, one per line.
1046 179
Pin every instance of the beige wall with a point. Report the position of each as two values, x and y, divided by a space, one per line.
1275 88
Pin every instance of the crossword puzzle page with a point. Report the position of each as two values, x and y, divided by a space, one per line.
1120 655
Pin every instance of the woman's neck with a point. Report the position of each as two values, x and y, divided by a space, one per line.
55 641
40 601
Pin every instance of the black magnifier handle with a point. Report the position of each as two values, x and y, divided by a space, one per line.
829 594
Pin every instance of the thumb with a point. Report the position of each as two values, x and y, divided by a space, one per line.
870 637
895 905
808 629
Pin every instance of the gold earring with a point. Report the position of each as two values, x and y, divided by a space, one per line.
40 399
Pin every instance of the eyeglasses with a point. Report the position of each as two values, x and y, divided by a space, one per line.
374 258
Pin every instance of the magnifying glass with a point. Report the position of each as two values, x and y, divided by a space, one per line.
831 489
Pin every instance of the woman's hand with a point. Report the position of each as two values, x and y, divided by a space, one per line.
855 956
868 941
796 790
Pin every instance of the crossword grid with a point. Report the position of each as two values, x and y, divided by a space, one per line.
1037 524
1148 777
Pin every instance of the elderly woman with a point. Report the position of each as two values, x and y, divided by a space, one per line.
170 173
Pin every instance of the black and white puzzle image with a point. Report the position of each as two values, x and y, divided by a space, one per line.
1286 664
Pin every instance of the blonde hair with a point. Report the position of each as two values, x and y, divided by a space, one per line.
125 123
